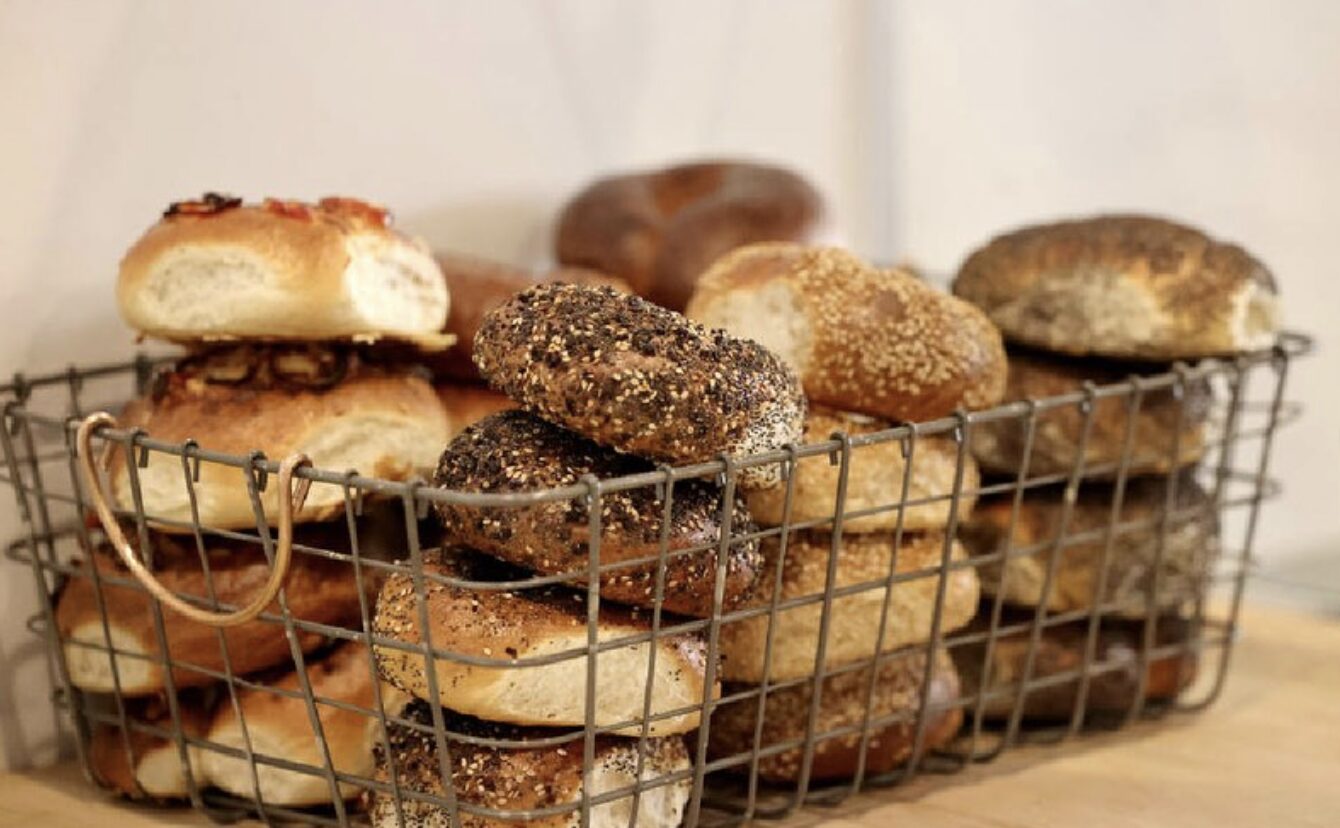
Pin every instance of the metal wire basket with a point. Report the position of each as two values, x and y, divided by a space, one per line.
767 771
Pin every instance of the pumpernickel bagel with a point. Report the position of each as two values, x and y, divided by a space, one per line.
661 229
517 627
862 338
1122 286
853 620
893 708
641 379
216 269
515 452
521 777
875 475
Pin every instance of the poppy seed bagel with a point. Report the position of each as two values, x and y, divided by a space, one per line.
639 378
514 451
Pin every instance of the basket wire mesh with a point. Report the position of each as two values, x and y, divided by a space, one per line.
41 418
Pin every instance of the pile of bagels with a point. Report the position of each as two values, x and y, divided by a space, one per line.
625 540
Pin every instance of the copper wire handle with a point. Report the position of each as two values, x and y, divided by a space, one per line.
283 547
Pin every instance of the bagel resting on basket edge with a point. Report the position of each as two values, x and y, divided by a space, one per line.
872 340
627 374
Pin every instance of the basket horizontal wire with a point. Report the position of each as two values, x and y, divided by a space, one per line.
772 774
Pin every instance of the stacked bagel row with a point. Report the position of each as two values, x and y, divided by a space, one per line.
874 348
1113 527
300 324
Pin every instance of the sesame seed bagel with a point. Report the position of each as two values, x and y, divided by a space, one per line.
516 778
514 628
874 479
863 560
894 707
862 338
644 380
514 451
1127 287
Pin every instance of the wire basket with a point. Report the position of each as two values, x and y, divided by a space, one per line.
1023 670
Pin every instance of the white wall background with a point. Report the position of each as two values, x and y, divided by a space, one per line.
930 125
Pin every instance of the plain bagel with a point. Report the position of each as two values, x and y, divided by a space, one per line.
319 590
216 269
863 559
380 420
523 777
862 338
999 445
874 479
661 229
515 627
140 763
279 726
1136 562
641 379
894 707
1123 286
516 452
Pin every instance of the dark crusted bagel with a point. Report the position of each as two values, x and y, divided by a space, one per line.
644 380
514 451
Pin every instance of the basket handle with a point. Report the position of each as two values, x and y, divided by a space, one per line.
283 547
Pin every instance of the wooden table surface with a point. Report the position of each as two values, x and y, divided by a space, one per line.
1267 754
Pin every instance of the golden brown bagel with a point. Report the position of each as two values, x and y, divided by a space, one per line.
319 590
217 269
880 342
661 229
874 479
896 700
853 619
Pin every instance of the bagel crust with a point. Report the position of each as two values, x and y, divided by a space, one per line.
1123 286
999 444
853 628
874 479
319 590
524 777
385 423
879 342
638 378
896 700
216 269
516 628
1188 552
661 229
516 452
